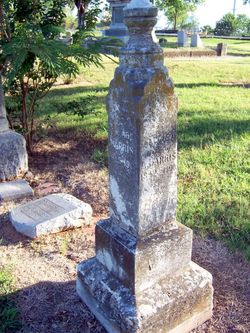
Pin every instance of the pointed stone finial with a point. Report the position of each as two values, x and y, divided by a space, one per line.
140 16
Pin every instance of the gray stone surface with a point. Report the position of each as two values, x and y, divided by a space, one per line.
176 304
129 259
182 39
117 27
13 154
51 214
14 158
142 137
3 119
196 41
142 278
15 190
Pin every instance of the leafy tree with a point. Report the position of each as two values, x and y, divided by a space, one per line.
226 26
243 25
87 12
233 25
177 10
207 29
31 59
190 24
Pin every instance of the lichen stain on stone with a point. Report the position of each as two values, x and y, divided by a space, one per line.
119 201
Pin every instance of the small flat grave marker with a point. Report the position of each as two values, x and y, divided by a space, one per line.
15 190
51 214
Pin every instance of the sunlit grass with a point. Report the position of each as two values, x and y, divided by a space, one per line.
235 47
213 139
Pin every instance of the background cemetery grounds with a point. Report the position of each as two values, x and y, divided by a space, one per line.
213 137
236 47
213 189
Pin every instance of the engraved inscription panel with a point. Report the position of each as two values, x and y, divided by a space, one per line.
45 209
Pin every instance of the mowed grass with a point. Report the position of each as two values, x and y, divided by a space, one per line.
213 139
236 47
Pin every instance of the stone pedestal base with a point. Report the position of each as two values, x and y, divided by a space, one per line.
121 34
14 158
176 304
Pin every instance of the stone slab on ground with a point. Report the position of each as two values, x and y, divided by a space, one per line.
15 190
51 214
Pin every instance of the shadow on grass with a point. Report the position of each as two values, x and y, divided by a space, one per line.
52 307
68 91
55 307
238 54
9 315
212 85
72 100
205 130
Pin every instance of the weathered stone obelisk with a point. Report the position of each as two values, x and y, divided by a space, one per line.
13 154
142 278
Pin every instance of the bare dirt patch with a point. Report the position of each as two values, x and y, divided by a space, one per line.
45 269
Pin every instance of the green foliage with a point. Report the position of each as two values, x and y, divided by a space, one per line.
87 12
243 25
105 18
207 29
9 315
231 25
177 10
190 24
100 156
33 59
85 106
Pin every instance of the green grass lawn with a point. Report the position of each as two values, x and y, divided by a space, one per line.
213 139
235 47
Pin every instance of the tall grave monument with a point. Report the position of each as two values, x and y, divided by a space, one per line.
117 28
142 278
13 155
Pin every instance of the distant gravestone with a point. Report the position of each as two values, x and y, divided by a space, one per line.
196 41
221 49
13 154
142 279
51 214
117 27
182 39
15 190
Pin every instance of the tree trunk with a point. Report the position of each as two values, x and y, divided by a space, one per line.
175 21
25 118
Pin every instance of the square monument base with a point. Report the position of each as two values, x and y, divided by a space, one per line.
176 304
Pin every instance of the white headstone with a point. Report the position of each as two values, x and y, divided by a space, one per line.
196 41
51 214
182 39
